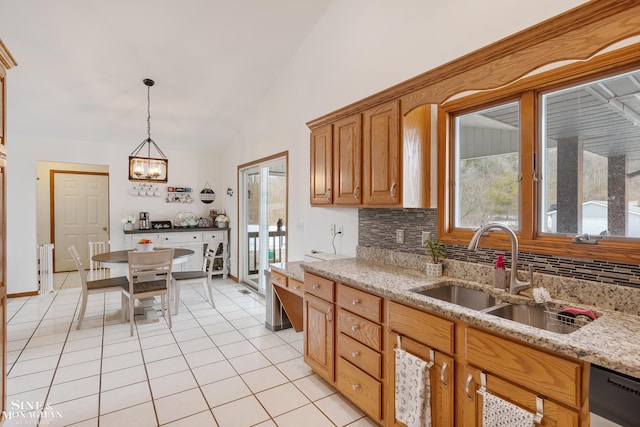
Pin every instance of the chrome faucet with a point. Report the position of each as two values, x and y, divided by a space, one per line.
515 285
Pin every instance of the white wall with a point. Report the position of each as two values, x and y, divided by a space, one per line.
185 169
358 48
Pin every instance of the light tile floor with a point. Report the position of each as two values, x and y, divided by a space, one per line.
215 367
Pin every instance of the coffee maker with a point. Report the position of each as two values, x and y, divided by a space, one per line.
144 223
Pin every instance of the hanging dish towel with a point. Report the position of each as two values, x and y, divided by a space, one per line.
497 412
413 394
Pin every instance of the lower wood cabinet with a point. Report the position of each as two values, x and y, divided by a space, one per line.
319 331
350 343
414 327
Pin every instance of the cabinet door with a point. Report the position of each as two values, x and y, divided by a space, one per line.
319 332
441 381
470 405
321 166
382 169
347 161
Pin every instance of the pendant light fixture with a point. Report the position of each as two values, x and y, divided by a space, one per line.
148 169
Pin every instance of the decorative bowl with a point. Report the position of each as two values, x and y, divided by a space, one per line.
144 247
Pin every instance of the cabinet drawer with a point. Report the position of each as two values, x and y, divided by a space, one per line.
213 235
186 237
295 286
278 279
549 375
360 388
360 355
319 286
422 327
360 329
359 302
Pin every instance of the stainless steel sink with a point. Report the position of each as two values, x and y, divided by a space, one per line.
452 292
539 317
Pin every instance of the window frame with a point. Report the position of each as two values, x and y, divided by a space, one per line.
529 91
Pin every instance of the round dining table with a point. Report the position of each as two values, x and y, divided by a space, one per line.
115 258
118 257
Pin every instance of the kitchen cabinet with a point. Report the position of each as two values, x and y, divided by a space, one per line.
319 325
521 374
347 161
359 342
193 239
376 159
381 152
290 292
431 338
321 166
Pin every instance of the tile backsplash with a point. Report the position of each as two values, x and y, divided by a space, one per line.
377 228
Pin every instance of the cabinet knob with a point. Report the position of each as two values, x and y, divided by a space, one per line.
355 354
355 387
354 328
355 302
315 286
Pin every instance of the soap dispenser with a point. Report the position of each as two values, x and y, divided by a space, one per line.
499 274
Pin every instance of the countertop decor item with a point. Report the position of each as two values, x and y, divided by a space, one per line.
185 219
127 222
221 221
147 168
436 251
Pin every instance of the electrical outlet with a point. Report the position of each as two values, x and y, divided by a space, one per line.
426 235
340 230
332 229
400 236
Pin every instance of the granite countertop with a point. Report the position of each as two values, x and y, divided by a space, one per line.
612 341
290 269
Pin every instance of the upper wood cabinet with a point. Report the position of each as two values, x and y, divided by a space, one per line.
375 159
347 161
382 169
321 165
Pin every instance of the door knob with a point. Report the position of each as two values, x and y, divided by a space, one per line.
104 228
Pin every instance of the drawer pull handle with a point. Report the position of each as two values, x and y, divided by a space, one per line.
315 286
467 387
355 387
328 194
442 374
296 286
356 192
355 302
392 191
354 328
329 315
355 354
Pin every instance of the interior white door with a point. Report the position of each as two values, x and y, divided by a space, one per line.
80 214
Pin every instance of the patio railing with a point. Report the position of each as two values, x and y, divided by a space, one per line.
276 246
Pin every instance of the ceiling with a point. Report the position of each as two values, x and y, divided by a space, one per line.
81 64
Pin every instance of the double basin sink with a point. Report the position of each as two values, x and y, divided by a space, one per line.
539 316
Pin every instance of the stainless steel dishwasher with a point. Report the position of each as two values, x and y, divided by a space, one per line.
614 398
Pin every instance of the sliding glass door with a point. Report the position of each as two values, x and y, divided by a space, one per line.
263 218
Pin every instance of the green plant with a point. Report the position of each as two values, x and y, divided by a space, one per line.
436 250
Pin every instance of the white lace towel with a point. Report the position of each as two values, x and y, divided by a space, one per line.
413 394
497 412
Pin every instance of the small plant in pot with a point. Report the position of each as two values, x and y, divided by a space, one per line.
436 250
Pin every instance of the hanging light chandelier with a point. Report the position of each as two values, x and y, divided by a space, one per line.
148 168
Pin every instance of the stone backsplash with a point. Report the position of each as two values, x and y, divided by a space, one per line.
377 229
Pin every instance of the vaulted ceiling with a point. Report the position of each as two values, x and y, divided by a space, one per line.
81 64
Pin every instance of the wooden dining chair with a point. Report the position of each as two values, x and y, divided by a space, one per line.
149 276
203 276
97 270
89 287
